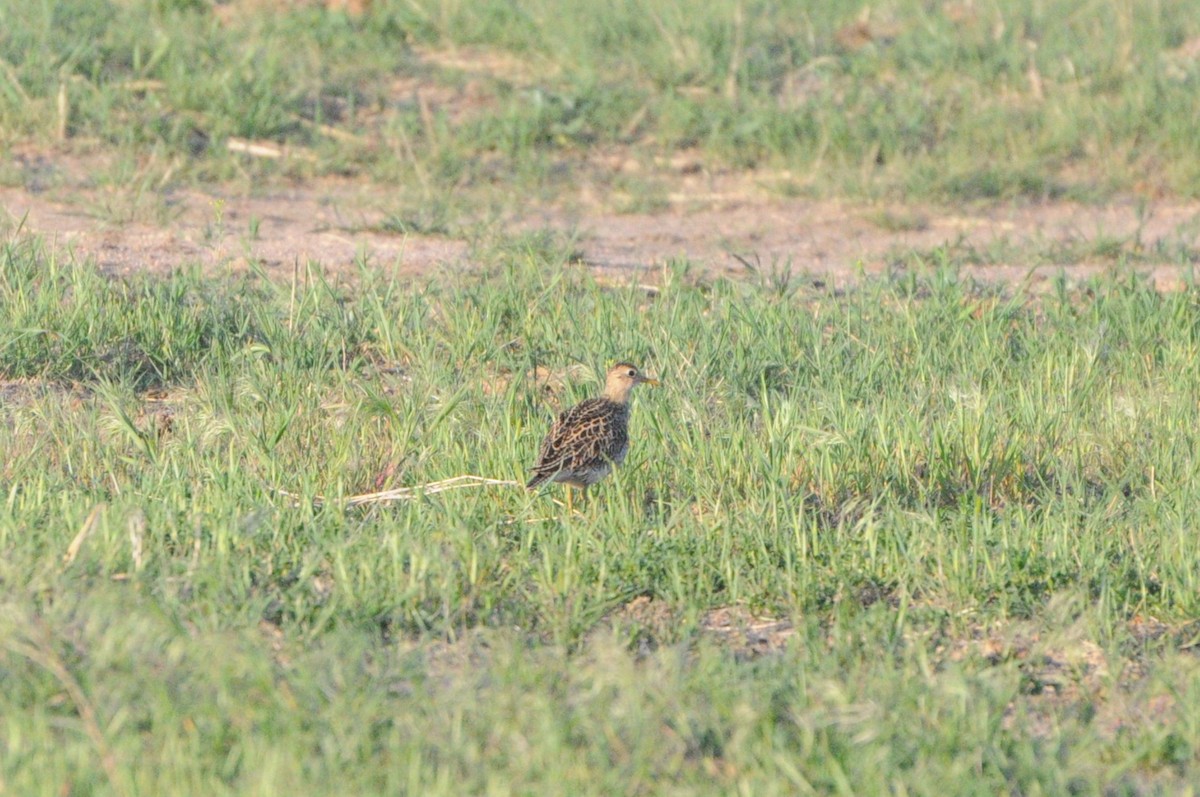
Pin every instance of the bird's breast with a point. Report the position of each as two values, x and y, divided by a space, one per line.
619 455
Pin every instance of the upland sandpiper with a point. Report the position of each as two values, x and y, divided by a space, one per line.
590 438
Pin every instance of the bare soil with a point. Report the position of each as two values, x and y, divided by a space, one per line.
718 221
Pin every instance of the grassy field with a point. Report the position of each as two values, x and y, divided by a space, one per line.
917 536
963 515
956 100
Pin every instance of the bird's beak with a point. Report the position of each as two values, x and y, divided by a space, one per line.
650 381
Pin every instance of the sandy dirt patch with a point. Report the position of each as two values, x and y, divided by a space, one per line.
718 222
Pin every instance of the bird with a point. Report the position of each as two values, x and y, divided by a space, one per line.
587 440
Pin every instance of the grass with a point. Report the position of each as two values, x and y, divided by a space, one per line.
906 99
922 536
1082 247
967 512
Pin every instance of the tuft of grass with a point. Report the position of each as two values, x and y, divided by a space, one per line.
1119 251
917 534
899 220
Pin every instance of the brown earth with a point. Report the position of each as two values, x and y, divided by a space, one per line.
686 208
720 222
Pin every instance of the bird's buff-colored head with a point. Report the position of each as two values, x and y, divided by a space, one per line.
622 379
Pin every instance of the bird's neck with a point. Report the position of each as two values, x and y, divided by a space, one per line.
618 395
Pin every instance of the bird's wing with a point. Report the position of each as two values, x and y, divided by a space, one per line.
577 438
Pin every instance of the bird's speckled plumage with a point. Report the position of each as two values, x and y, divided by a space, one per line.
590 438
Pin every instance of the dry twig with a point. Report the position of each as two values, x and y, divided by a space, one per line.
39 649
416 491
265 149
89 524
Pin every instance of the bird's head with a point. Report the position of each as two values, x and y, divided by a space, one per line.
622 378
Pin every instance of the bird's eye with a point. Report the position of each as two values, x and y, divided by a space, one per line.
632 372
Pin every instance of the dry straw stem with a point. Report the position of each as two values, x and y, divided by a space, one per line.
335 133
89 525
265 149
137 537
409 493
39 649
143 85
735 58
15 81
64 111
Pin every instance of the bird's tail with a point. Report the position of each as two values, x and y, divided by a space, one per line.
538 478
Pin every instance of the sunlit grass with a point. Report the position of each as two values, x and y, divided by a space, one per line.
967 504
